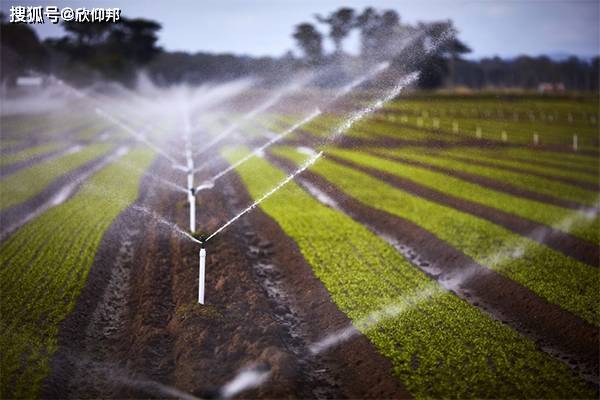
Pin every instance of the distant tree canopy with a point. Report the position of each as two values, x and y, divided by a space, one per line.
21 51
426 47
527 72
115 50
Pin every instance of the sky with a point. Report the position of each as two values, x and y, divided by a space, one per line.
505 28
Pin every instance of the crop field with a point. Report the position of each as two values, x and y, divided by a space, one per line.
368 245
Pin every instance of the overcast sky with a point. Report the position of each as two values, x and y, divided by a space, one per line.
264 27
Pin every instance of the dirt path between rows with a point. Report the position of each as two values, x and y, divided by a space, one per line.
558 332
565 243
137 330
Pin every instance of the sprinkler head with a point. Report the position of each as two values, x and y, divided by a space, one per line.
201 237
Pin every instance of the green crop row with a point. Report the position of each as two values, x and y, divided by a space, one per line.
520 180
44 266
29 153
439 345
557 111
487 156
559 279
565 160
546 214
26 183
368 128
516 132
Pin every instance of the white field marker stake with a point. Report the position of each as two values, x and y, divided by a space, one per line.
536 139
478 132
455 127
574 142
504 136
201 274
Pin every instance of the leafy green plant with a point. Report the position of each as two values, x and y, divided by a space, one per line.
439 345
45 265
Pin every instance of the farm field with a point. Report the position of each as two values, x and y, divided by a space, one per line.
431 245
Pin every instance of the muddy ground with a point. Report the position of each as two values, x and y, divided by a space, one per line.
137 330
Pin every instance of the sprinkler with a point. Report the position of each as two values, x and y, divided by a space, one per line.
201 272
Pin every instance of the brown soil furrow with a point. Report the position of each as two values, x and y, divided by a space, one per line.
355 365
487 182
556 331
137 330
565 243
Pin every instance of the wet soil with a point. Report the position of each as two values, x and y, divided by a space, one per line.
556 331
137 330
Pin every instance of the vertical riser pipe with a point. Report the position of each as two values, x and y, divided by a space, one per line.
192 201
201 272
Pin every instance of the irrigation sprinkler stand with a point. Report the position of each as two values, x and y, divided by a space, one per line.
201 273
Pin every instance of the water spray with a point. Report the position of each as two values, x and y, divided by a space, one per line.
142 138
256 111
209 184
281 184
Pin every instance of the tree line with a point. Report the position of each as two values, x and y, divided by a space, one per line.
117 51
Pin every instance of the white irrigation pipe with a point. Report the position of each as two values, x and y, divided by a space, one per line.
201 275
190 171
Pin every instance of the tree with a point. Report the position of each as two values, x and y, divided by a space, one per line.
381 34
21 51
432 51
340 22
116 50
310 41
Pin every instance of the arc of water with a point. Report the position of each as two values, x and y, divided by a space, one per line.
211 181
402 83
281 184
256 111
342 92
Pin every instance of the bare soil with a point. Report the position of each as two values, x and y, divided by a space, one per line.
137 330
